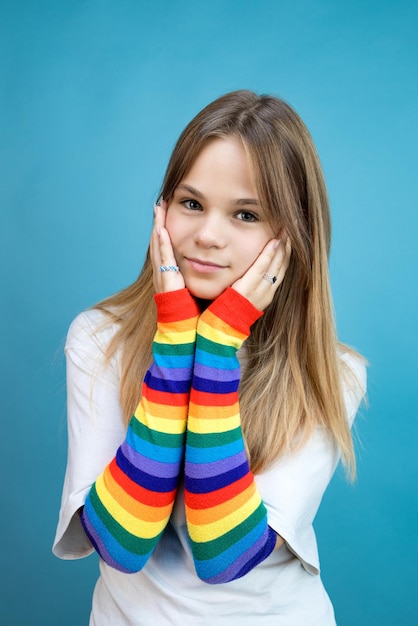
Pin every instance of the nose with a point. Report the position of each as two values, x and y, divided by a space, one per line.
211 232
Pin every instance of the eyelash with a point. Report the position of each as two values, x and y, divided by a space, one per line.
254 217
186 202
198 207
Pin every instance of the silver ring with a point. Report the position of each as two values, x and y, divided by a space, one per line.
270 278
169 268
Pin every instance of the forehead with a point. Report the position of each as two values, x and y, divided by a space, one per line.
223 161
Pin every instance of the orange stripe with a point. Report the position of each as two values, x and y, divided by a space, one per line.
147 513
222 412
156 409
218 324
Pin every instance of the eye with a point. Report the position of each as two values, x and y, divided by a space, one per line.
193 205
247 216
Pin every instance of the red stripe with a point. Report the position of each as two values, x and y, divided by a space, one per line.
235 310
151 498
205 398
164 397
213 498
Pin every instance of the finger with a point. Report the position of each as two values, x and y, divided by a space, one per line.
262 279
280 261
160 214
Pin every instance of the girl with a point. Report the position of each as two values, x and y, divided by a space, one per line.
201 504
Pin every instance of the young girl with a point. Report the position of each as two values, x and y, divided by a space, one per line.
224 350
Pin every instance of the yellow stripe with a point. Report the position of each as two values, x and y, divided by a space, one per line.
208 532
203 426
131 523
217 336
171 426
188 336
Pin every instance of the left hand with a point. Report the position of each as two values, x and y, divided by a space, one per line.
272 261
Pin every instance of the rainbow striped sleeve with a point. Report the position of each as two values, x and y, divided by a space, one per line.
130 503
226 518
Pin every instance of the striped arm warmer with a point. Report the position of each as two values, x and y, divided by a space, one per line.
226 518
129 505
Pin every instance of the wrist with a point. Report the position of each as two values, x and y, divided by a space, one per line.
235 310
173 306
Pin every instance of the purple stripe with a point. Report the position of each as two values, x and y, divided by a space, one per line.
170 373
156 468
231 572
99 546
214 373
195 470
204 485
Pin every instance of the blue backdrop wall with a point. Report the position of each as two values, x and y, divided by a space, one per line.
93 95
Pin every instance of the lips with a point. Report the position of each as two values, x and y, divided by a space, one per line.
200 265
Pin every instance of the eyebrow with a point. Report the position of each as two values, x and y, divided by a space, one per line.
198 194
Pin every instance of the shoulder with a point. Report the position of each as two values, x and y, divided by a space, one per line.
88 339
354 380
91 329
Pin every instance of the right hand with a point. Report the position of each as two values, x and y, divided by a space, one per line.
162 254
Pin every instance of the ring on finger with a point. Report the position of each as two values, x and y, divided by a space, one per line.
169 268
270 278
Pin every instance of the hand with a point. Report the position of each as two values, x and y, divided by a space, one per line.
162 254
273 261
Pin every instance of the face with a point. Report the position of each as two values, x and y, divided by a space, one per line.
216 224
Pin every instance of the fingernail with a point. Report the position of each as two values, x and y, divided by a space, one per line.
159 201
276 243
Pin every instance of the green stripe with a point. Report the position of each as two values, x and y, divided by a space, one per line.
215 348
212 440
180 349
156 437
136 545
211 549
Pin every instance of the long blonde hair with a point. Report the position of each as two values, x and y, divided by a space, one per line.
292 379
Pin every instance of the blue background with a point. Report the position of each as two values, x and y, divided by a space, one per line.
93 96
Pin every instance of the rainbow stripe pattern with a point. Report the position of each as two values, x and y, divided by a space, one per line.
226 518
130 503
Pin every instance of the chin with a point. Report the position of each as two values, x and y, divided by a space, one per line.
205 292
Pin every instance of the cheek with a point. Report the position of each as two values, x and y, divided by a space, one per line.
253 249
173 227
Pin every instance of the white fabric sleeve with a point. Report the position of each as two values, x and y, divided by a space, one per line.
293 487
95 424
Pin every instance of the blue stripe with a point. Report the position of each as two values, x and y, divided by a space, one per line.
153 451
212 567
166 385
152 483
215 386
174 361
111 551
217 453
213 360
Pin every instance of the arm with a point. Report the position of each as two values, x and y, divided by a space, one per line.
129 505
226 517
131 502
